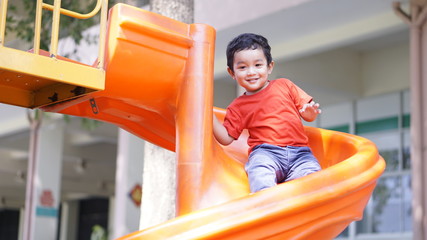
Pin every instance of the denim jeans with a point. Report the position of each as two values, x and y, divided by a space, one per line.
269 165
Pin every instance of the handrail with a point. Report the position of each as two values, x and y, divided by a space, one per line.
37 27
57 11
3 12
102 34
55 28
75 14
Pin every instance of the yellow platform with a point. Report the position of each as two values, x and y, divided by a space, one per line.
30 80
36 79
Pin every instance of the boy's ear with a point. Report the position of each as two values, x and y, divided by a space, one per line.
270 67
230 71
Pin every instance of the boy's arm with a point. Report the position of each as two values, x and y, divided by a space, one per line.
310 111
220 132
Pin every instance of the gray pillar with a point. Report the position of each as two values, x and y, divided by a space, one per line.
69 220
159 186
21 224
128 184
159 174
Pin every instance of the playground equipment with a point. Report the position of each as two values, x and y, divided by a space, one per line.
159 86
36 78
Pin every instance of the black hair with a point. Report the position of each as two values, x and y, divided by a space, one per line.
247 41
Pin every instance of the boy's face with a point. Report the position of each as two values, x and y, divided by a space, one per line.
250 70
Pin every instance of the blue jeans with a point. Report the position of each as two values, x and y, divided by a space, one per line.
269 165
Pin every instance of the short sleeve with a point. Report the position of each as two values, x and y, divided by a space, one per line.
300 96
233 123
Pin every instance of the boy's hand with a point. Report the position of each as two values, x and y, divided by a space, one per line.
310 111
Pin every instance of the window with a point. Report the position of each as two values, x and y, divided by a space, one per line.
388 214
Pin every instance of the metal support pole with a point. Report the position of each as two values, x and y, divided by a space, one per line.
418 54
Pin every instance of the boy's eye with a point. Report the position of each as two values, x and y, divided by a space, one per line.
241 67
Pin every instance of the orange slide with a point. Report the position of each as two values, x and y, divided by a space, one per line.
159 86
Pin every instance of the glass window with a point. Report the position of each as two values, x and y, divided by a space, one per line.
388 144
406 152
382 215
407 203
389 211
344 234
387 205
391 158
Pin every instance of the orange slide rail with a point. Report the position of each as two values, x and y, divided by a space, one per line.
159 86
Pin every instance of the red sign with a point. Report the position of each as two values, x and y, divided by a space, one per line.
46 198
136 194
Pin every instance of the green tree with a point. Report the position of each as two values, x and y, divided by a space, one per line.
20 20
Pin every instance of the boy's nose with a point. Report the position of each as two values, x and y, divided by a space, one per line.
251 70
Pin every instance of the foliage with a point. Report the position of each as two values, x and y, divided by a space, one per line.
21 20
98 233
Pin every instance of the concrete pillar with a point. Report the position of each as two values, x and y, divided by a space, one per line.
159 186
21 224
159 174
65 211
127 199
43 179
111 214
69 218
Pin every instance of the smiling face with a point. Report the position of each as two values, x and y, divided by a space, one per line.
250 70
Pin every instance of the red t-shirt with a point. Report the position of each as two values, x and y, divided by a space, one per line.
270 116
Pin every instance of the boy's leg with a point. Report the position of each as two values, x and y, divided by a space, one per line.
302 163
262 169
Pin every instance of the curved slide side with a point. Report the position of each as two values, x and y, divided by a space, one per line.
318 206
159 86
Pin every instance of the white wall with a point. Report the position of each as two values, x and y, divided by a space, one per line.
13 119
385 70
223 14
329 77
224 92
345 74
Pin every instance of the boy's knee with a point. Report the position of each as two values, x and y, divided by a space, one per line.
259 184
261 178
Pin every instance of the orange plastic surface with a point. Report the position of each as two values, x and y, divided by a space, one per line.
159 86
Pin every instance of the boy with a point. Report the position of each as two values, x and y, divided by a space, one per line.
271 112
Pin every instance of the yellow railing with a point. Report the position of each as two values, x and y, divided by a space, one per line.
57 11
3 12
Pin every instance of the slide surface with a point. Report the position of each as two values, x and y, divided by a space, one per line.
159 86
